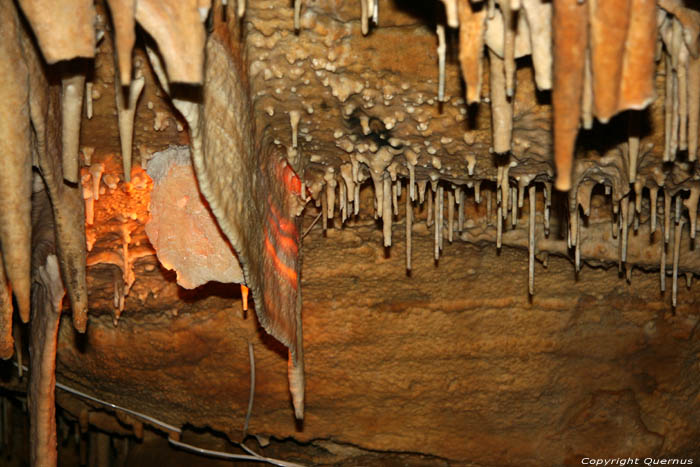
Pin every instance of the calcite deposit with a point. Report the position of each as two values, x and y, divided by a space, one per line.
468 228
182 228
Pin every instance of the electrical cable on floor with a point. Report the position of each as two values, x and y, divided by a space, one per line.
252 387
253 456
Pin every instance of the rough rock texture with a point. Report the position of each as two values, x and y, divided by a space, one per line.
454 361
182 228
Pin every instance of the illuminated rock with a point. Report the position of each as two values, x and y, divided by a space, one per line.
182 228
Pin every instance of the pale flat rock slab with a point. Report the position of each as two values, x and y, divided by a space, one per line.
182 228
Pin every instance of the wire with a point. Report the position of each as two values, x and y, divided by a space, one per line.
206 452
252 387
225 455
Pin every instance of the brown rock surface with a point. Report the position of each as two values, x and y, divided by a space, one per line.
454 361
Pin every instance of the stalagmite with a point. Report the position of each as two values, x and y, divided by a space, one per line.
297 13
693 107
15 148
409 231
477 192
676 258
294 117
509 25
441 49
471 48
501 108
386 210
73 86
126 114
678 208
570 36
531 240
450 214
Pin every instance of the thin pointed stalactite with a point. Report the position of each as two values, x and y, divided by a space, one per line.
653 201
441 52
501 107
386 210
450 214
662 261
440 206
126 112
73 87
409 230
531 240
676 258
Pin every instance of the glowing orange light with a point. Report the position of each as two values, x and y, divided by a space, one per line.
244 297
282 268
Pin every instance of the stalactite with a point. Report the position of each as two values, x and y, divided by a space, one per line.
439 206
15 147
450 214
126 112
501 108
386 210
294 117
668 107
471 48
509 26
633 144
441 49
667 215
409 231
692 204
570 36
460 212
531 240
653 198
73 86
693 107
297 14
676 257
